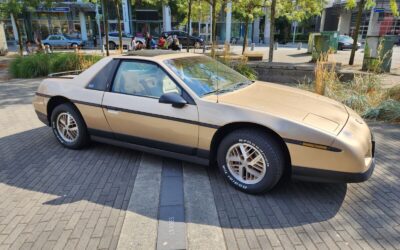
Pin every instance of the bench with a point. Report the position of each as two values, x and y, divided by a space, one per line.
254 55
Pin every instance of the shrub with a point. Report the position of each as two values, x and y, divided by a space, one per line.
388 110
394 93
239 64
41 64
246 70
363 94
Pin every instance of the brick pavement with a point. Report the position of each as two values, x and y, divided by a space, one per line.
51 197
314 216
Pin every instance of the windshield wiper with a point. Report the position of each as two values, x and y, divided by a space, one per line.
231 88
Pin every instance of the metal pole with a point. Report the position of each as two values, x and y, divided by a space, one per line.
294 31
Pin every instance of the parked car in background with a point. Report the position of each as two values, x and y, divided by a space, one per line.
194 41
113 40
346 42
191 107
63 41
398 41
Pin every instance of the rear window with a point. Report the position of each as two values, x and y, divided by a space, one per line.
103 77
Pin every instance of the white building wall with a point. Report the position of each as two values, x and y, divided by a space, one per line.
166 18
344 22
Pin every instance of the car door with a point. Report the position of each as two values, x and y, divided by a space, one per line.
135 115
182 36
52 41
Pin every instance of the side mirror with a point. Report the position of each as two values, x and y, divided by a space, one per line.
175 99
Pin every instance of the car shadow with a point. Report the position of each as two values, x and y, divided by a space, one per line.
33 160
290 204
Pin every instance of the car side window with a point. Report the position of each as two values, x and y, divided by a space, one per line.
102 78
143 79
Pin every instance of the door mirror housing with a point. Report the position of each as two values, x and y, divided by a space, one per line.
173 98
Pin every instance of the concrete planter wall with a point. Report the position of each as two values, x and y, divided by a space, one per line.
292 74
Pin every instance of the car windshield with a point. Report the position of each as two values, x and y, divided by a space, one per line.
205 75
346 39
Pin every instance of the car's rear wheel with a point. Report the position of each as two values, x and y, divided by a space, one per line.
68 126
251 160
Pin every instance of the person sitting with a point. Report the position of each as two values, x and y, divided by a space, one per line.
175 44
148 39
161 42
133 44
29 48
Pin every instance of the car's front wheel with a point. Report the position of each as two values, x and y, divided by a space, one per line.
68 126
251 160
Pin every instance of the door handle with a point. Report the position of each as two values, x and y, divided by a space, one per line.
113 111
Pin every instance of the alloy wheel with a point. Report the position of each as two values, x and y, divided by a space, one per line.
246 163
67 127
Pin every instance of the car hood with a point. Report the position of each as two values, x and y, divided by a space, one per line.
289 103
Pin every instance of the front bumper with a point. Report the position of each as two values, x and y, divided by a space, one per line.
320 175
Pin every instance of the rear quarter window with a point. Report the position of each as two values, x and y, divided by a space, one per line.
103 77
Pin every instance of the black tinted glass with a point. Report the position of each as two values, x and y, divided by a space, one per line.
99 82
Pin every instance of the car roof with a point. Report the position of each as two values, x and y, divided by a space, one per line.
158 54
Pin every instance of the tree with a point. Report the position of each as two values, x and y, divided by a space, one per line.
272 31
364 4
117 3
15 8
188 24
248 10
296 10
104 4
215 5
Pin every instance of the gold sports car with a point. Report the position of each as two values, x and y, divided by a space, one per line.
191 107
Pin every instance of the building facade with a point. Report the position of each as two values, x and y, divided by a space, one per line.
82 19
377 21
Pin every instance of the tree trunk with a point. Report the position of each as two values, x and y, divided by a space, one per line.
272 32
120 46
355 35
246 25
21 48
105 16
188 25
214 27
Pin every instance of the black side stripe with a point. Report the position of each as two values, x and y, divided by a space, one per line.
312 145
287 140
141 113
43 95
162 117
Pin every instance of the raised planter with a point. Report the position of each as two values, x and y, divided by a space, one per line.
289 73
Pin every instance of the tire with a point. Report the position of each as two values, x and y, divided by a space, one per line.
112 45
73 44
82 137
259 143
